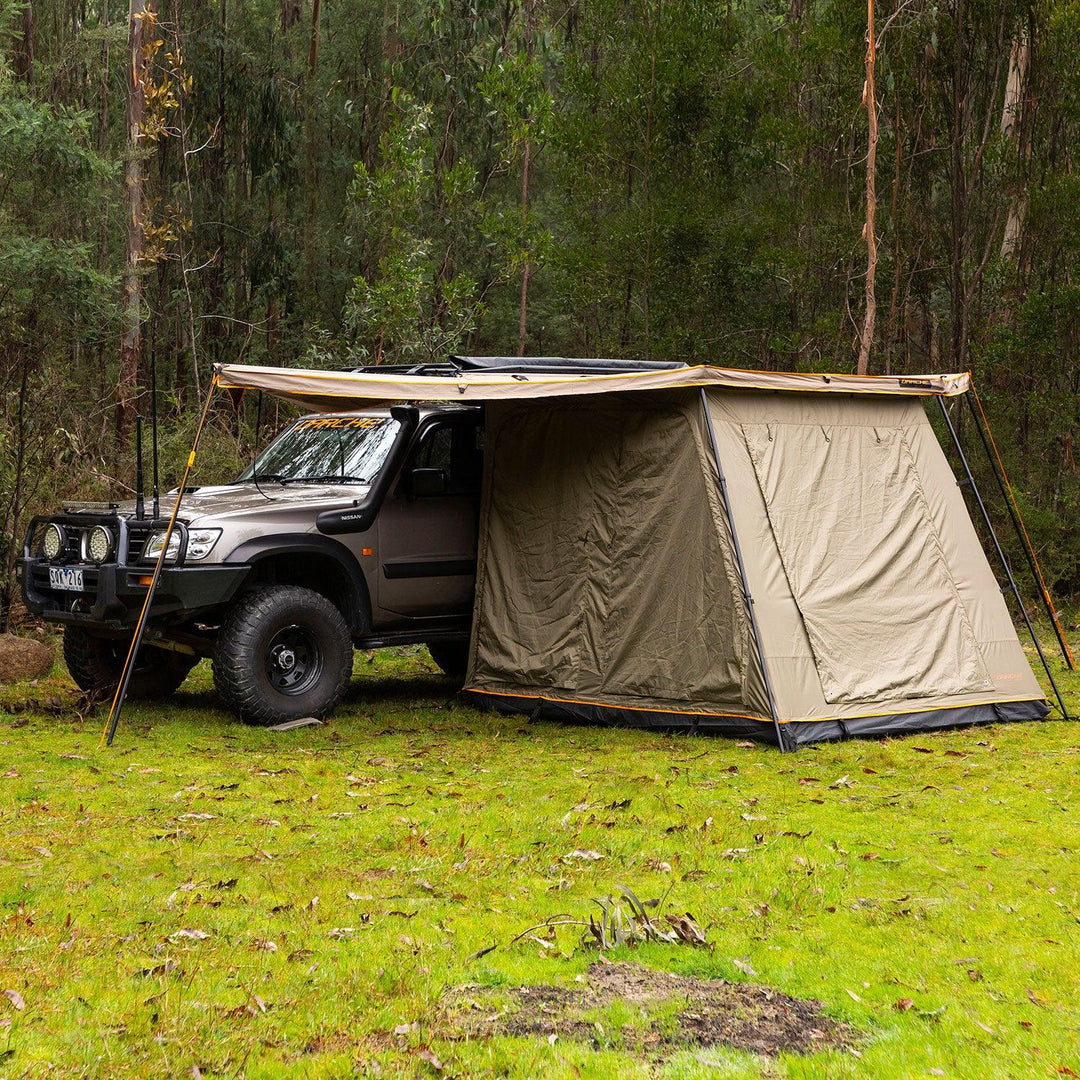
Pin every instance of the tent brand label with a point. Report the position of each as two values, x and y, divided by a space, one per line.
917 384
338 422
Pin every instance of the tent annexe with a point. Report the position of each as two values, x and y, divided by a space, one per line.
787 557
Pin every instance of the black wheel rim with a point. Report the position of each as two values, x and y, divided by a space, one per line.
293 660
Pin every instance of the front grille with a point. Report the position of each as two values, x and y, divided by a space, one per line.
138 532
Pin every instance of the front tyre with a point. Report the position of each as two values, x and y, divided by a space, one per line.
96 664
282 653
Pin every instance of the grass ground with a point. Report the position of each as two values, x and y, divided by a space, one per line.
209 899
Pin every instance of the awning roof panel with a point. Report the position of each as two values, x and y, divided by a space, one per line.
322 390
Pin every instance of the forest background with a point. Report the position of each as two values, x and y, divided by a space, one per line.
339 182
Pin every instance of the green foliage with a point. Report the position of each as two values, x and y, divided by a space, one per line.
696 191
410 214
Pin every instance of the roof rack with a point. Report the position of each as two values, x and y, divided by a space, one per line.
520 365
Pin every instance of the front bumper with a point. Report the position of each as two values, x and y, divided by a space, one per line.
112 596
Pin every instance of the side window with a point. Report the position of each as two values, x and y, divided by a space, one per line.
456 449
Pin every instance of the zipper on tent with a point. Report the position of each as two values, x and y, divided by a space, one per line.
747 598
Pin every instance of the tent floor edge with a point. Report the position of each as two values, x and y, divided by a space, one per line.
795 733
759 729
911 723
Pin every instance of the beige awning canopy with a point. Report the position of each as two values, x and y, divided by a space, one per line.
344 390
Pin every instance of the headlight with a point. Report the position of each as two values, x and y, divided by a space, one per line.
53 542
200 543
99 543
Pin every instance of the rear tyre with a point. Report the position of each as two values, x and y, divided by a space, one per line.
451 656
282 653
96 664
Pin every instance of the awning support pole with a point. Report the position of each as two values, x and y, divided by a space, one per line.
136 638
1017 522
747 598
1001 555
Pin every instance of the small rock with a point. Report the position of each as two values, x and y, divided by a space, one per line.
23 658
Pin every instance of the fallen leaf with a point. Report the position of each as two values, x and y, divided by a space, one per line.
43 851
16 999
854 997
1033 999
587 856
745 967
686 929
1066 1071
404 1029
165 968
431 1059
903 1004
842 782
264 944
190 935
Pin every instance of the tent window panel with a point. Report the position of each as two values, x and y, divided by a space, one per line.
864 562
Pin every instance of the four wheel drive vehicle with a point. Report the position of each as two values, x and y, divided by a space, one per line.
349 530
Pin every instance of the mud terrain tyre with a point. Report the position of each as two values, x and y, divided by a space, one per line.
282 653
451 656
96 663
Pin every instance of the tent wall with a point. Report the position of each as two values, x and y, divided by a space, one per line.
875 600
607 588
605 576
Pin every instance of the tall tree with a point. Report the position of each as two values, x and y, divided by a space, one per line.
141 17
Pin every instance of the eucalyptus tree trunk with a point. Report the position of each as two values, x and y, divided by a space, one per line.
870 100
1019 58
131 339
525 161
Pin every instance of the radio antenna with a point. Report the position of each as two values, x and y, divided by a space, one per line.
153 428
140 480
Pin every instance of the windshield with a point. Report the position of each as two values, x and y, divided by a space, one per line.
329 449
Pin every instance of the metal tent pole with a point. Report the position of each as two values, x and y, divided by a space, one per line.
136 638
747 598
1001 554
1021 533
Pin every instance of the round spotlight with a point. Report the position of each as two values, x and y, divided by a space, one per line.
99 543
53 542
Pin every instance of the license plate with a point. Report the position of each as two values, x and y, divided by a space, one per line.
65 577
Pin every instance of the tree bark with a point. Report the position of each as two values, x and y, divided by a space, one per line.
867 338
525 269
1019 58
525 159
131 339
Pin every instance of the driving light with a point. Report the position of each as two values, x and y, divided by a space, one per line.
99 543
200 543
53 542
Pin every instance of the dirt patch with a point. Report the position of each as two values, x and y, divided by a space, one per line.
673 1011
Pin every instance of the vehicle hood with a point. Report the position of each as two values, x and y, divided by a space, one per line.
233 502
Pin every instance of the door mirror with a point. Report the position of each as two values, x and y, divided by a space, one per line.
424 482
